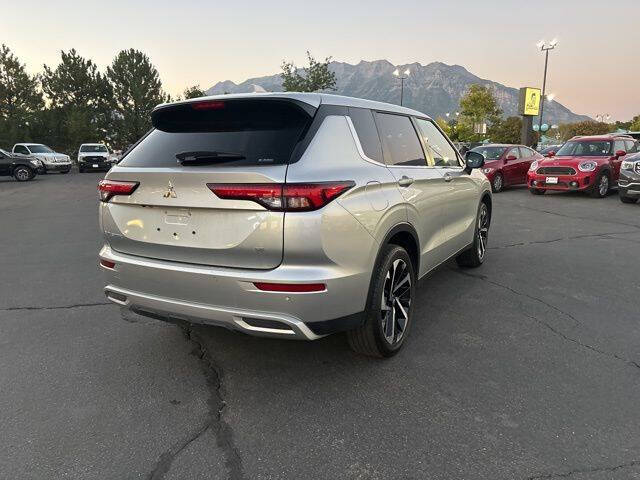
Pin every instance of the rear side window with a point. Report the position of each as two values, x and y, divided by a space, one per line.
632 147
21 149
240 133
365 126
400 140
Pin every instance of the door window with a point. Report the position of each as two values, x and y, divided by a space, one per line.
438 147
619 145
632 147
400 141
515 152
526 152
22 149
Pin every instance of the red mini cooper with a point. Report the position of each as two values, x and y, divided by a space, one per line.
590 164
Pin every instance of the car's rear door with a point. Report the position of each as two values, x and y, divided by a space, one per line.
174 215
422 186
511 168
527 156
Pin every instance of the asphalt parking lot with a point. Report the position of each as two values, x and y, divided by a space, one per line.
526 368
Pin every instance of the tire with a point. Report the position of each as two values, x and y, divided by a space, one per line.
80 170
601 186
537 191
625 199
23 173
498 183
474 256
383 333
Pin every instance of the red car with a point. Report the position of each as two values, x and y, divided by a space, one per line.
506 165
590 164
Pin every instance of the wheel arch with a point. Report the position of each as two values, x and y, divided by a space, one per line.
405 236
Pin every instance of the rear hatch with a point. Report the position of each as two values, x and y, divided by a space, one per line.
173 215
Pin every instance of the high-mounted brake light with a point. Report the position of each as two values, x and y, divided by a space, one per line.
111 188
208 105
288 197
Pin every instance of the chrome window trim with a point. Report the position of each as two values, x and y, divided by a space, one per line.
371 160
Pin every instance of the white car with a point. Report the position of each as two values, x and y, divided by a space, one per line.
94 156
52 161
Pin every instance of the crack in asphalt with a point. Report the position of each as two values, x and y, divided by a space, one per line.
516 292
573 237
548 326
579 218
221 429
58 307
585 470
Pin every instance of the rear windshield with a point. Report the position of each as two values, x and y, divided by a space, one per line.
94 149
585 148
241 132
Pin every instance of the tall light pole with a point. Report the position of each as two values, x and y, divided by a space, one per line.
402 78
545 47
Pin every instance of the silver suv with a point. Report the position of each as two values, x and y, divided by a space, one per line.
290 216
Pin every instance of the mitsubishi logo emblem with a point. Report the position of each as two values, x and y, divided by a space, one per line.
170 193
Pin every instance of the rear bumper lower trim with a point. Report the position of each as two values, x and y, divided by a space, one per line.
173 310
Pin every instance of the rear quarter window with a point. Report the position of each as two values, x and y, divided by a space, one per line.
362 119
262 132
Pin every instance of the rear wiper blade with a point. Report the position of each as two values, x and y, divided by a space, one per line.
205 157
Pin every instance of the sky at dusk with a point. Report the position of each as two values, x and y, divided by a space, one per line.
594 70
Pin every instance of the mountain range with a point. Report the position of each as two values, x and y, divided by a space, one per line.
434 89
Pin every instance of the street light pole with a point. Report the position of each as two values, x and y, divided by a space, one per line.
402 78
544 47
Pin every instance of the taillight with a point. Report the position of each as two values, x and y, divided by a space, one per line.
111 188
107 263
288 197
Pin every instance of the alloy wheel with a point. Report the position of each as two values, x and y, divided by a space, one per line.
603 186
483 231
22 174
396 301
497 183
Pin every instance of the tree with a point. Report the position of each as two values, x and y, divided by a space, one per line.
444 126
194 92
317 76
20 100
506 131
80 99
477 106
587 127
137 89
635 124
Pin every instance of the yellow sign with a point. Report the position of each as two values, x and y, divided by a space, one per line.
530 104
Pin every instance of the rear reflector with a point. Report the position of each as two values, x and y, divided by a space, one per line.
107 263
290 287
288 197
111 188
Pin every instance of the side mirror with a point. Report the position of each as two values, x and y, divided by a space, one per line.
620 153
510 158
550 154
473 160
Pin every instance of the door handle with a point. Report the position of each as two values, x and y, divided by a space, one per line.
405 181
448 177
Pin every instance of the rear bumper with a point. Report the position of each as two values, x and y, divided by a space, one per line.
227 297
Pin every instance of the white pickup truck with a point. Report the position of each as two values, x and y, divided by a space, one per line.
52 161
94 156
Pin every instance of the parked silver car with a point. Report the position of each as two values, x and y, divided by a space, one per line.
289 215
